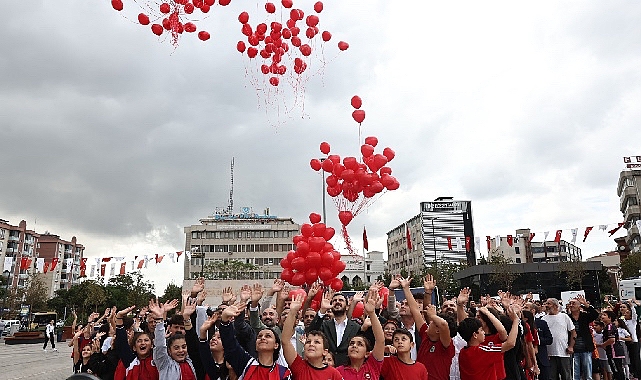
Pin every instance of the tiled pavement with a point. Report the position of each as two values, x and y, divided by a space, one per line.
28 361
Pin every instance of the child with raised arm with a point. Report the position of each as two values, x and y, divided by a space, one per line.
365 360
316 346
478 361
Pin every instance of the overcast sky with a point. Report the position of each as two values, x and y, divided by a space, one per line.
109 134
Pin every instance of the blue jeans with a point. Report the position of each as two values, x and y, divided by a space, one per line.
582 365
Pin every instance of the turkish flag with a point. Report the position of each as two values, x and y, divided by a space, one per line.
557 238
141 263
510 240
54 262
532 236
489 243
467 244
449 243
181 252
123 267
23 263
83 263
365 242
103 267
614 230
29 262
409 238
46 267
106 259
587 231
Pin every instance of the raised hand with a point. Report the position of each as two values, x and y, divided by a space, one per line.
296 303
156 309
278 285
430 312
169 305
257 292
370 305
284 293
405 282
358 296
228 295
378 285
210 321
314 289
189 307
395 283
429 283
124 312
200 298
463 296
198 287
245 293
326 301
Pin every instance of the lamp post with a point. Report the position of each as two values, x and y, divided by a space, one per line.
5 276
323 173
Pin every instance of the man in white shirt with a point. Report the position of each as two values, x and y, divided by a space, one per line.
563 338
49 336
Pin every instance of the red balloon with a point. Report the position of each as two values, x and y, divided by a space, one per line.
287 34
311 20
224 2
261 28
298 238
252 52
394 186
348 175
302 248
287 3
326 36
328 165
345 217
316 243
298 279
306 50
325 274
371 140
189 8
367 150
190 28
338 168
204 36
243 18
299 264
343 45
313 260
205 8
296 42
331 180
356 101
338 267
164 7
208 2
273 81
284 263
314 218
306 230
315 164
311 275
319 229
327 260
324 147
385 169
315 304
143 19
246 29
328 247
286 275
270 7
334 191
350 163
359 309
337 284
389 154
334 158
318 7
359 116
291 255
117 5
336 255
329 233
384 293
157 29
310 33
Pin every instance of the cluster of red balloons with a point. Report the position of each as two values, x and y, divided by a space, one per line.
350 178
314 257
270 41
172 14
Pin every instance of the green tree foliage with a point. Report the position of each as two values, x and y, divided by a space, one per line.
229 270
444 276
631 266
172 291
35 293
574 272
129 289
503 275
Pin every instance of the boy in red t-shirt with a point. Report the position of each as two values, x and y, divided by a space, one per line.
401 366
312 367
478 361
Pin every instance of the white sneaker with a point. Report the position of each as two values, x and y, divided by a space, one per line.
55 349
44 350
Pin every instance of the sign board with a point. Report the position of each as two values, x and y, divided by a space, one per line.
567 296
24 310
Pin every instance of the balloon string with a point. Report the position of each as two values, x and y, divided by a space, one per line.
348 241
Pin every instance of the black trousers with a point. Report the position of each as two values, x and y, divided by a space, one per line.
50 338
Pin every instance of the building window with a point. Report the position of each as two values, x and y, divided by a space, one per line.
518 260
517 250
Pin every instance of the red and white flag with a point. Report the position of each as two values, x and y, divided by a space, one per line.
449 243
365 242
408 237
557 238
587 231
510 240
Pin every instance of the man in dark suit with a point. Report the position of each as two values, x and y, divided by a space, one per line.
338 330
545 339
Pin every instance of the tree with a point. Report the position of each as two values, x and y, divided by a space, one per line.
444 276
631 266
229 270
35 293
574 272
503 275
129 289
172 291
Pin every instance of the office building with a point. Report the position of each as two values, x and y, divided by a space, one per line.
442 232
520 249
249 238
628 190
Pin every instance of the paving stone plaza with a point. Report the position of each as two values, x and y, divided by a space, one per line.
28 361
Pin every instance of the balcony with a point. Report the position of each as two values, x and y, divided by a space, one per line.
633 210
11 250
14 238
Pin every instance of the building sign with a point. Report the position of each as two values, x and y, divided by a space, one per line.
252 227
632 162
446 206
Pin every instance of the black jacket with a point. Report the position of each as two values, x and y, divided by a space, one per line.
339 349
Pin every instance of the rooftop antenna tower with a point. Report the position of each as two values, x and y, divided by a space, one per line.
230 206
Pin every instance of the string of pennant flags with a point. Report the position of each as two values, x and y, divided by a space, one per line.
95 266
458 242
